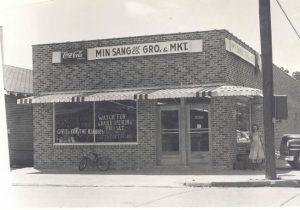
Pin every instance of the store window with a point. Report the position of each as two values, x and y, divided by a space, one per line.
115 121
243 122
96 122
74 123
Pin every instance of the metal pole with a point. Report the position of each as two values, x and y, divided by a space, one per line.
5 180
268 101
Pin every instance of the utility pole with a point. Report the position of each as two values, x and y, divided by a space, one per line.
5 180
268 100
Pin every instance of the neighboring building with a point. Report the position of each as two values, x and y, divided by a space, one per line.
18 84
169 99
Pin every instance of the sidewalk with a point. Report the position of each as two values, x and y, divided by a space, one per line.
156 177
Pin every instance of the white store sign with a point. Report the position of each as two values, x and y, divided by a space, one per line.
235 48
183 46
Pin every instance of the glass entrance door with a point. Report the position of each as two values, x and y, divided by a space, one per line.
170 136
198 135
184 135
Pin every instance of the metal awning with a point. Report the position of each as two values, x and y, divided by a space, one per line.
231 90
209 91
81 97
112 95
158 93
170 93
51 98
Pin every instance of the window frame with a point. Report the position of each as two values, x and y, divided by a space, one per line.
94 121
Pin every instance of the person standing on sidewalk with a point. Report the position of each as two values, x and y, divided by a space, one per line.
256 156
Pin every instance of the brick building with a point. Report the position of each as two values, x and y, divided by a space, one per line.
17 85
169 99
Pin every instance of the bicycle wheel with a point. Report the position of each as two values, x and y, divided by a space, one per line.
82 164
103 163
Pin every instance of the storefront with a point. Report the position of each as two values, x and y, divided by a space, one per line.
173 99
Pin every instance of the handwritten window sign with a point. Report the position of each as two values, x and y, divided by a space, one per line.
238 50
158 48
116 121
69 56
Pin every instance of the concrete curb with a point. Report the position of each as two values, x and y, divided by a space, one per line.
250 183
260 183
285 183
91 185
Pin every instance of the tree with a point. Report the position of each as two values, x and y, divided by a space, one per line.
296 75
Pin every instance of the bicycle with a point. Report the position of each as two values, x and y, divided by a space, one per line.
102 163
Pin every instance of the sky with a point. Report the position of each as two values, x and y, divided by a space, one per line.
29 22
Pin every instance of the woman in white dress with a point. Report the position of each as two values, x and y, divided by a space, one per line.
256 156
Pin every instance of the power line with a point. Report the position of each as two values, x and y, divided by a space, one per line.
288 18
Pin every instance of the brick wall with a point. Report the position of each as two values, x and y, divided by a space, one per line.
239 71
223 132
141 155
20 137
157 70
43 135
286 85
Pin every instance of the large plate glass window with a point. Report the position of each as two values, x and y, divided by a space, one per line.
96 122
115 121
74 123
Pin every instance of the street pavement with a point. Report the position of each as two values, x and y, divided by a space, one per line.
183 176
186 186
95 197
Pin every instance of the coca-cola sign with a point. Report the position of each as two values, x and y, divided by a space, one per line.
77 54
69 56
